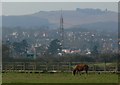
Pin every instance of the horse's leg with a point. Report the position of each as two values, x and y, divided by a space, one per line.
79 72
86 71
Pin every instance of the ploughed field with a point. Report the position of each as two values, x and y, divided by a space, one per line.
12 77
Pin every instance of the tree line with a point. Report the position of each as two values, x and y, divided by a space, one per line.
50 53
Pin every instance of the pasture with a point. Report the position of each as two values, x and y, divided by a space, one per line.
63 77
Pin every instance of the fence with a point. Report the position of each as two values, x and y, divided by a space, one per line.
54 66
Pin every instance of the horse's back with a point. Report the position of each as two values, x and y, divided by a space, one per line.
81 66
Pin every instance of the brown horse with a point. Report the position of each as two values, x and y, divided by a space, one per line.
80 67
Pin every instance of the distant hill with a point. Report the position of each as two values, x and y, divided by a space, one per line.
87 18
24 21
101 26
78 16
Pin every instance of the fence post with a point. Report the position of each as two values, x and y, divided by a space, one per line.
94 68
23 66
105 67
46 66
69 66
34 65
53 67
58 66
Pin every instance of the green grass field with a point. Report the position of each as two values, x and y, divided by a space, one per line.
58 78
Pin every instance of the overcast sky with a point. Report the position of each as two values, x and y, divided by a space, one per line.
22 8
60 0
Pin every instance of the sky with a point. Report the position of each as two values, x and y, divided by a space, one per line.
59 0
23 8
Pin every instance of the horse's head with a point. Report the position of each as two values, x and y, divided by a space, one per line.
74 71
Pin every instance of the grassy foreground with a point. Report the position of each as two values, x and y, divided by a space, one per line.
58 78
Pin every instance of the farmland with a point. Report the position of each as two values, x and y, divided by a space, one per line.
30 72
59 78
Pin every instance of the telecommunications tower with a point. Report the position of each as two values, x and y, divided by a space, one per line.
61 31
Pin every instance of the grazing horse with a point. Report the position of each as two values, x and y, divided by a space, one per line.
80 67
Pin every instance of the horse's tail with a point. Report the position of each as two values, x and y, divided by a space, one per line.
74 71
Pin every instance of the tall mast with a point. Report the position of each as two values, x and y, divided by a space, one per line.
61 30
